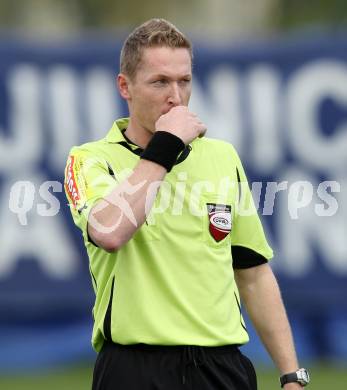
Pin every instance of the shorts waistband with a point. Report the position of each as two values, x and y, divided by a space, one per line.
189 354
221 349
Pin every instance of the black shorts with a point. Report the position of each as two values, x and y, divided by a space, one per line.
148 367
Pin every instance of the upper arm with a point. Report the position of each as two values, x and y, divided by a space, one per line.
252 281
248 241
248 276
87 180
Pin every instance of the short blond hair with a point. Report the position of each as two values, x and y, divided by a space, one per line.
153 33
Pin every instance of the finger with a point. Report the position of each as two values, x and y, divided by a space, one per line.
203 131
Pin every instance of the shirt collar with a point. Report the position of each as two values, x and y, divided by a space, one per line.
115 135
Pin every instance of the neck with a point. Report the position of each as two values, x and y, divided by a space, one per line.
138 134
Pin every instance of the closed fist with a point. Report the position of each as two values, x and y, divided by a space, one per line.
182 123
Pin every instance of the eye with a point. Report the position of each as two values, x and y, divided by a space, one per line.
185 81
159 82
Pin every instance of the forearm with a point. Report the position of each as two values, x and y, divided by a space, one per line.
115 219
261 296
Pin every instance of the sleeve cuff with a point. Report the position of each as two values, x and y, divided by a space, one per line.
246 258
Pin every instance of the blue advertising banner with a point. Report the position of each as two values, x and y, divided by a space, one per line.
283 104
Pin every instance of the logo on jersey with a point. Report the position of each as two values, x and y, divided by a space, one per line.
219 220
70 182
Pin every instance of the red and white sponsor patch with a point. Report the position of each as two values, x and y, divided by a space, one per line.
70 182
220 220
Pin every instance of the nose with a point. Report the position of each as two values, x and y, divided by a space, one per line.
175 96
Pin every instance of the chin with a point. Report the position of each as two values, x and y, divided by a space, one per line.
150 129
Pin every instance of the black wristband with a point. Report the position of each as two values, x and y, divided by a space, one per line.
163 149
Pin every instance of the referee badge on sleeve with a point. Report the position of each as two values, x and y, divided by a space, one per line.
73 182
219 220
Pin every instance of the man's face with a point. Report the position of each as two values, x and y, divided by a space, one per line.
163 80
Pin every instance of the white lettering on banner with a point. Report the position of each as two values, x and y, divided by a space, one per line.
297 238
264 107
24 146
40 239
82 108
102 101
77 107
306 89
63 85
219 105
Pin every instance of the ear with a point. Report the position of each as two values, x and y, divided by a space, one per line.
123 86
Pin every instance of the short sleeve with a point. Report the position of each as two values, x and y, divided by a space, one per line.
87 180
248 241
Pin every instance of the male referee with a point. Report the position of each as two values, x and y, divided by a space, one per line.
171 252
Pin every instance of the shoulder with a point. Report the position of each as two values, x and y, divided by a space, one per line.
83 157
216 148
88 149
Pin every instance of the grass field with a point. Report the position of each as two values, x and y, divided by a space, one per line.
324 377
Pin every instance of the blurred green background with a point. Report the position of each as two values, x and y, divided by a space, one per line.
211 19
79 378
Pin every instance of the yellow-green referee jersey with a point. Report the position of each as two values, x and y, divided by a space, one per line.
173 282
